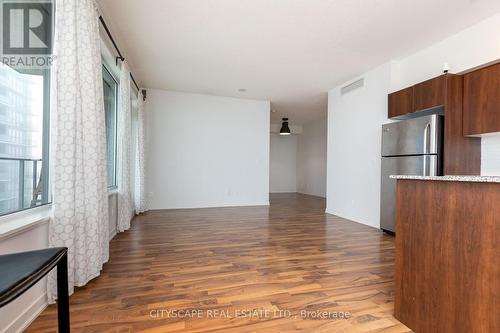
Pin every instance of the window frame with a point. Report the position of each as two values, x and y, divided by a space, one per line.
46 195
114 186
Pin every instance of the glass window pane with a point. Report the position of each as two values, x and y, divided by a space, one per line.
110 103
23 112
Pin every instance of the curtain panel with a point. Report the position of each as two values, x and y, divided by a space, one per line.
79 218
140 166
125 204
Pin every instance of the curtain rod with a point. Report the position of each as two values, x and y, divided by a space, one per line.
120 56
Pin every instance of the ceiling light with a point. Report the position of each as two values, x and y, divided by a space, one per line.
285 130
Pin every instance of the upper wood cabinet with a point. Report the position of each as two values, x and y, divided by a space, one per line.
482 101
401 102
462 155
429 94
425 95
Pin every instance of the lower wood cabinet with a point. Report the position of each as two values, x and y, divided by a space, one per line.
448 256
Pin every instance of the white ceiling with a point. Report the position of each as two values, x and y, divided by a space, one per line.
290 52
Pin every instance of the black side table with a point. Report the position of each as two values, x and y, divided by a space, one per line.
20 271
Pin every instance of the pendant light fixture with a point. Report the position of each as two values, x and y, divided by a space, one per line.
285 130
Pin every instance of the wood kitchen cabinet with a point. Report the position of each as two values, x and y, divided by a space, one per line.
462 155
425 95
447 256
401 102
482 101
430 94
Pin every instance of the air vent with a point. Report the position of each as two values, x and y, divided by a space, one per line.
352 86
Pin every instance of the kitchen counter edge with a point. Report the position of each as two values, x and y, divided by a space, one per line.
472 179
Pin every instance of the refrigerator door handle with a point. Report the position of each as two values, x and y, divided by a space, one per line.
427 138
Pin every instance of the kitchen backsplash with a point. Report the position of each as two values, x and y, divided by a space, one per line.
490 155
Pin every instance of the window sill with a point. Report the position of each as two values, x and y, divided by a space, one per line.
112 191
16 223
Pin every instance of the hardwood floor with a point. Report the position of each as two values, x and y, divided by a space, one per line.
294 266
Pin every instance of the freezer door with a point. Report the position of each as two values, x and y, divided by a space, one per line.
413 137
427 165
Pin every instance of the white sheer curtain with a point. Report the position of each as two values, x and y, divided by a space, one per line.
78 145
140 165
125 204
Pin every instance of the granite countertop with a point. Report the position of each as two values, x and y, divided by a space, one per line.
473 179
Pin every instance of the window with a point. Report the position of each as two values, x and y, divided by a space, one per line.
110 104
24 138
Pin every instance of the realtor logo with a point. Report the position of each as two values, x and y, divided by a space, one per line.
27 28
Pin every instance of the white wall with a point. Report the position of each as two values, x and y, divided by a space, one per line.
476 46
354 148
311 158
298 162
354 120
283 165
470 48
490 155
113 214
206 151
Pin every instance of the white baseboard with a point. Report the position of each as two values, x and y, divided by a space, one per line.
312 194
329 212
211 205
22 321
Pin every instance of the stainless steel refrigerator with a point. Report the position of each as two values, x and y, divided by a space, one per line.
409 147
